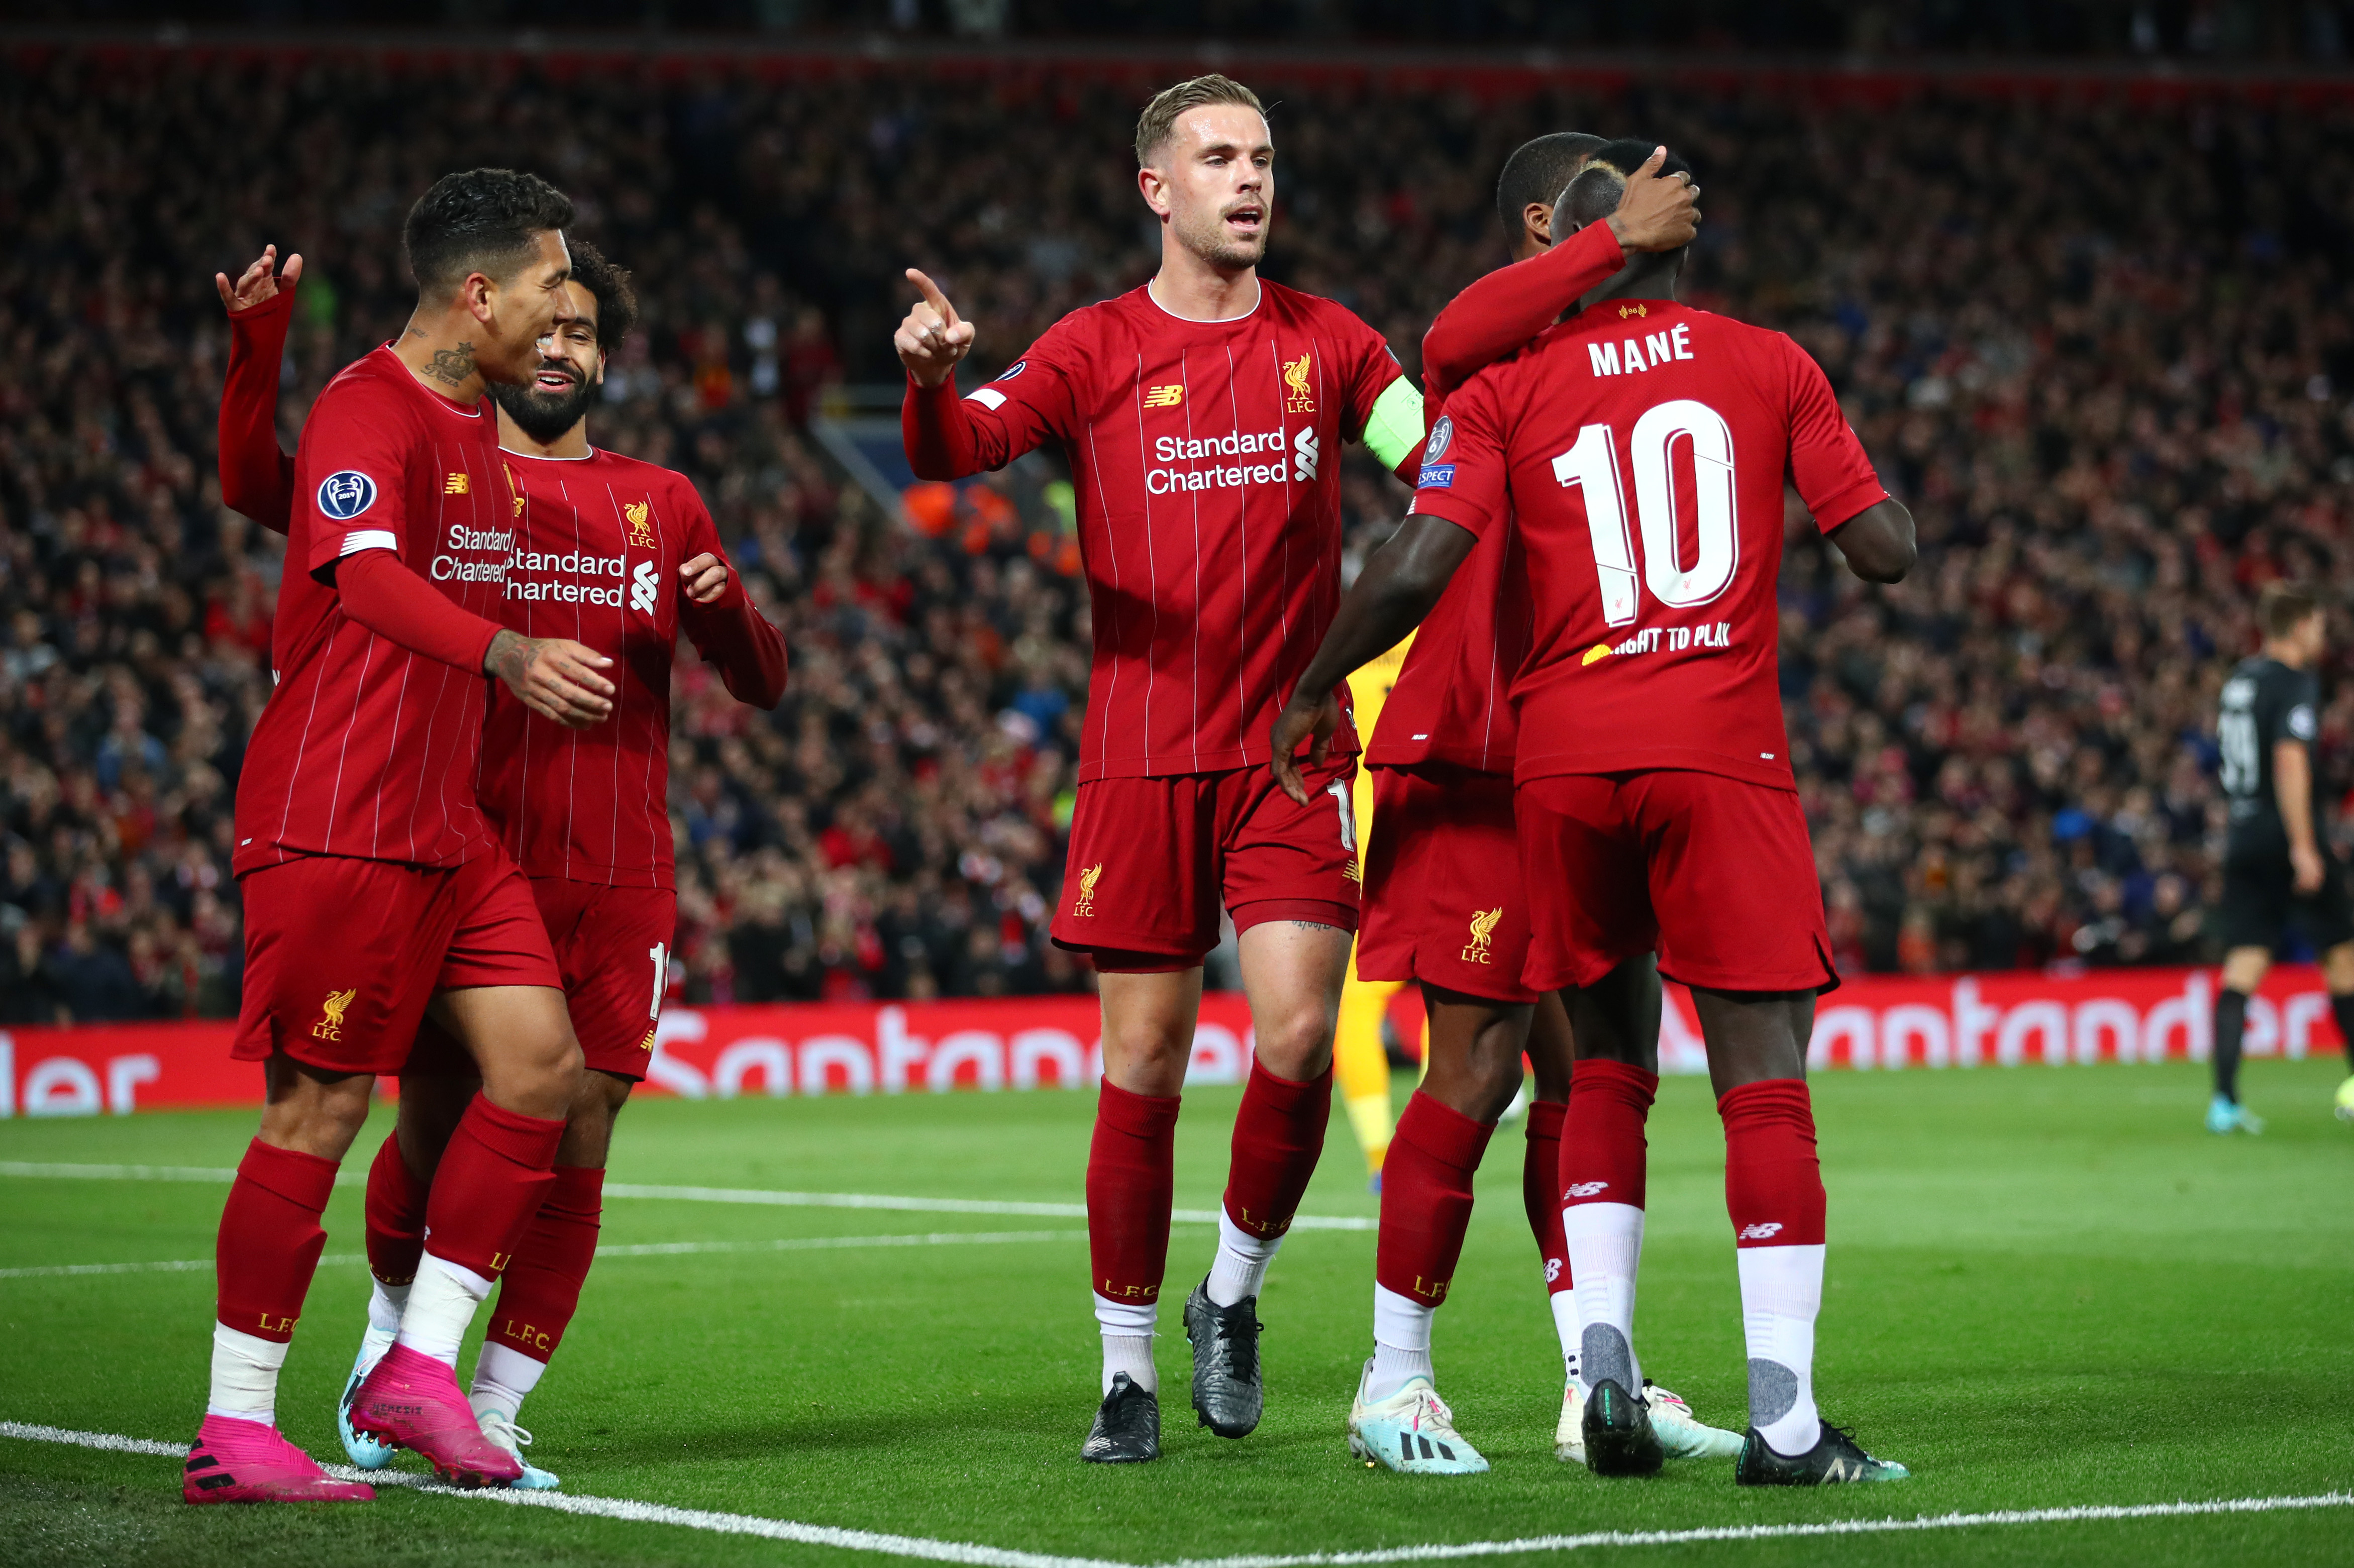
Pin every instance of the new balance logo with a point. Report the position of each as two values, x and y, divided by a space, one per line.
1760 1233
1167 396
1552 1269
456 485
1585 1188
1840 1470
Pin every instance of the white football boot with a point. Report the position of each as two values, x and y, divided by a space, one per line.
1411 1432
500 1428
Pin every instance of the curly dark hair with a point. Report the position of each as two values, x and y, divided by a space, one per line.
479 221
617 302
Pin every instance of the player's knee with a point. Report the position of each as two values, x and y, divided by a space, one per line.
1296 1042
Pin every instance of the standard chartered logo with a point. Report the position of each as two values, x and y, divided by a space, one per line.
643 584
1195 464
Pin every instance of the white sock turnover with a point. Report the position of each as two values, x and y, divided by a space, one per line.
441 1307
1606 1249
503 1375
386 1303
1400 1345
1240 1267
245 1376
1127 1328
1781 1293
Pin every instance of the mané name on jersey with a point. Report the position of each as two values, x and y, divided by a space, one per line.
1642 448
1206 460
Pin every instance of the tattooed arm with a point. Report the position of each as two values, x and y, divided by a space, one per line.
555 678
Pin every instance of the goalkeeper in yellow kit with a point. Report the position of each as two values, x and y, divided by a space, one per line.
1360 1067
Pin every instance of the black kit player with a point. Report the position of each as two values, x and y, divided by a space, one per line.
2276 870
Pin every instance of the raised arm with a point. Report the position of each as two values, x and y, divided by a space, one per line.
729 630
950 437
1501 313
257 478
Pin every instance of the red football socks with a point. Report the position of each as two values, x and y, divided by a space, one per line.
1602 1153
1603 1157
1278 1133
542 1288
1773 1179
1773 1192
270 1240
396 1216
1427 1199
493 1178
1539 1189
1131 1178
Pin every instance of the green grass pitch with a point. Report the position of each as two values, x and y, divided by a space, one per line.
2048 1288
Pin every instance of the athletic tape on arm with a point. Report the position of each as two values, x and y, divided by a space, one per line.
1395 427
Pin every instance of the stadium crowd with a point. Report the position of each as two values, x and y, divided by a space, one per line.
2101 348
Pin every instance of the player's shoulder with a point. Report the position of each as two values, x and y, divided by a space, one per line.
638 471
675 492
369 381
1122 315
1286 303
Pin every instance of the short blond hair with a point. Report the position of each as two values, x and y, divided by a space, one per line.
1160 117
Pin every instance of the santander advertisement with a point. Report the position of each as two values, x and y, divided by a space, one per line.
721 1052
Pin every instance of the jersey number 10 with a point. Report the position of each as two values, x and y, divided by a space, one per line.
1593 466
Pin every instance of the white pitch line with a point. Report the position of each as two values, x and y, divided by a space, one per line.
703 1195
927 1550
1527 1545
640 1249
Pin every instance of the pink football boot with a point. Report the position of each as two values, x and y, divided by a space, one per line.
238 1461
412 1400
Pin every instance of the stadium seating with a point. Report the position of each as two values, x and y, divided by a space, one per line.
2099 345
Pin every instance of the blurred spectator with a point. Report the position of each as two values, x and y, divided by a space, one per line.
2100 347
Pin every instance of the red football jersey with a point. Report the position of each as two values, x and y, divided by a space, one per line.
1205 456
364 749
1641 450
598 561
1452 702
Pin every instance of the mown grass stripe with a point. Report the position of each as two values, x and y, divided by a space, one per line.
638 1249
755 1195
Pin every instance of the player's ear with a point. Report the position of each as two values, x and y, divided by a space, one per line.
480 295
1154 185
598 379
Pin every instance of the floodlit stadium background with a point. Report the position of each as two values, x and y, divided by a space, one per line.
2082 291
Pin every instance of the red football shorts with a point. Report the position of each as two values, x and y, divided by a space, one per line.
1714 873
1443 900
342 955
612 945
1151 860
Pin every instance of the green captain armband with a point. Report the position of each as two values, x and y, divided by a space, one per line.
1395 427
